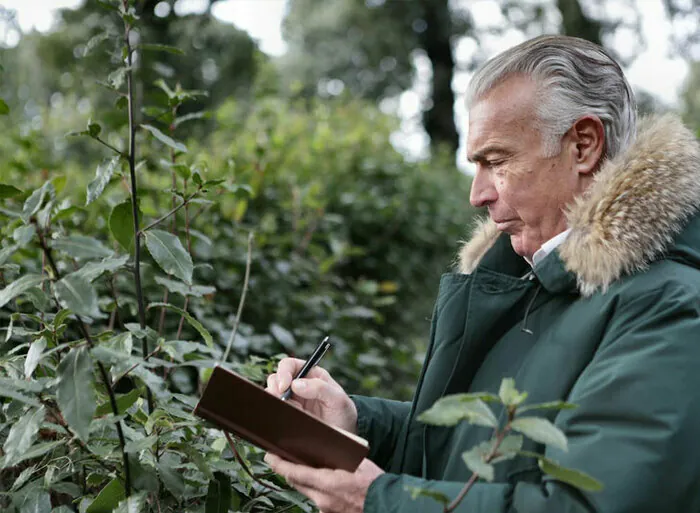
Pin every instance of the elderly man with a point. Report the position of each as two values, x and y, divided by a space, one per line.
584 285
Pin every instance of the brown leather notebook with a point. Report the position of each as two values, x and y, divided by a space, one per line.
245 409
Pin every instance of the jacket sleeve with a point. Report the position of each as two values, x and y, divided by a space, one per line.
635 427
379 421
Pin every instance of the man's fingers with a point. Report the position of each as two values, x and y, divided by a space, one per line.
314 388
300 475
272 384
290 367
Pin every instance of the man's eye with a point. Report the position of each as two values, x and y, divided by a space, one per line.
494 163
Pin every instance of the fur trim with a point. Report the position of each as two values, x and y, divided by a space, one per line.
630 214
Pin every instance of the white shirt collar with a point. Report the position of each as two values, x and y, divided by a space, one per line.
548 247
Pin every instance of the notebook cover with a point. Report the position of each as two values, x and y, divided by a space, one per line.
245 409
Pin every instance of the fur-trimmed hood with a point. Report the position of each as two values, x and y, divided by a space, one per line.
628 217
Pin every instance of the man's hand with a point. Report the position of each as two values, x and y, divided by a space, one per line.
318 394
333 491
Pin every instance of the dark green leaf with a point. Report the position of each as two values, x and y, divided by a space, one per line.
567 475
36 502
541 430
19 286
121 224
124 402
218 494
425 492
283 336
508 448
35 200
475 462
77 294
22 436
116 78
140 445
39 450
168 141
24 234
23 477
196 458
7 252
161 48
169 253
34 356
191 320
94 41
93 129
93 270
452 409
108 498
172 479
103 174
75 394
8 191
13 394
552 405
134 504
82 247
4 109
178 287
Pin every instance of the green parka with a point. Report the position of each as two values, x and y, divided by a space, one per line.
610 321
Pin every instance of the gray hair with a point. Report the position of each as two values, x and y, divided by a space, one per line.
575 78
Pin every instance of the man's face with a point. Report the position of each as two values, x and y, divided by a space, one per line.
525 192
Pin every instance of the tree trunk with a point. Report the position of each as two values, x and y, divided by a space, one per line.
438 120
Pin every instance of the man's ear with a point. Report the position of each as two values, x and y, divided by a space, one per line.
588 138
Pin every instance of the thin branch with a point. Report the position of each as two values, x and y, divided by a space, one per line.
105 143
127 371
100 366
242 300
182 318
462 493
245 467
134 193
171 212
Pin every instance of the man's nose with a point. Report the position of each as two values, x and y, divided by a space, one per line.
483 192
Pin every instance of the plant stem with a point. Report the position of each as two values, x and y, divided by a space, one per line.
127 371
171 212
100 366
134 193
462 493
245 467
105 143
242 300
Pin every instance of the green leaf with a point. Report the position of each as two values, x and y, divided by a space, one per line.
425 492
82 247
552 405
18 287
124 402
508 449
541 430
93 270
570 476
93 129
39 450
218 494
196 458
161 48
75 394
103 175
168 141
77 294
22 436
178 287
23 477
108 498
452 409
188 117
8 191
134 504
36 199
121 224
13 394
509 394
7 252
94 41
191 320
4 109
24 234
38 501
140 445
33 357
169 253
172 479
475 462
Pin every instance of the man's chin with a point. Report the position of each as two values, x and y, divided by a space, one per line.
521 247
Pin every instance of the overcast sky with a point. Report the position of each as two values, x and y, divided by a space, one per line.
652 71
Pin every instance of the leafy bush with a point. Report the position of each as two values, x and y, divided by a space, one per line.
303 210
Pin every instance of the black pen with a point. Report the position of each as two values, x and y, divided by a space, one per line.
309 364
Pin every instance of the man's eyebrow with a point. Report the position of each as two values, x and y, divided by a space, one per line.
480 155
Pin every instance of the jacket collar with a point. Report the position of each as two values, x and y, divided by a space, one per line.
626 219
